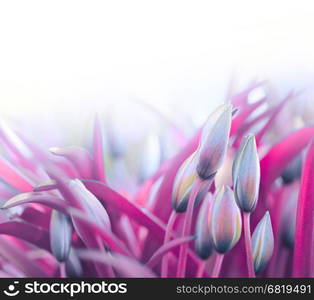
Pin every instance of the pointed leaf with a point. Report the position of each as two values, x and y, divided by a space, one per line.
304 235
125 266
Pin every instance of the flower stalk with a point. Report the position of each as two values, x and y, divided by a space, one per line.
217 266
248 244
187 228
165 259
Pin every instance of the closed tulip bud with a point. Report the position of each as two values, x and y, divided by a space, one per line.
226 221
262 243
214 142
60 235
184 181
246 175
203 239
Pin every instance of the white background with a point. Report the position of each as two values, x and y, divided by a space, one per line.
63 59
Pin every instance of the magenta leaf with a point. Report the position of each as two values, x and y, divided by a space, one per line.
240 119
109 197
111 241
78 156
14 177
170 246
18 258
27 232
275 112
98 153
304 235
280 155
125 266
37 197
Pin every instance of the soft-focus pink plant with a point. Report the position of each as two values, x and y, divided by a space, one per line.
61 216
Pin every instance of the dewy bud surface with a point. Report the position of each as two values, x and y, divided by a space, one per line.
203 239
226 221
214 142
246 175
262 243
183 184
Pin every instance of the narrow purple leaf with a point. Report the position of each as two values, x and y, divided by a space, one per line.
78 156
14 177
37 197
18 258
125 266
17 147
240 119
280 155
275 112
98 153
164 249
109 197
241 98
111 241
45 186
27 232
304 235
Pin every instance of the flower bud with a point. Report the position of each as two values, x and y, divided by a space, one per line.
226 221
203 240
182 187
60 235
214 141
246 175
262 243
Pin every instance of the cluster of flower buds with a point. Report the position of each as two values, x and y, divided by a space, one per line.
218 225
206 160
219 222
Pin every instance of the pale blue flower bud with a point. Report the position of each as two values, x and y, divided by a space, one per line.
246 175
214 142
226 221
262 243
